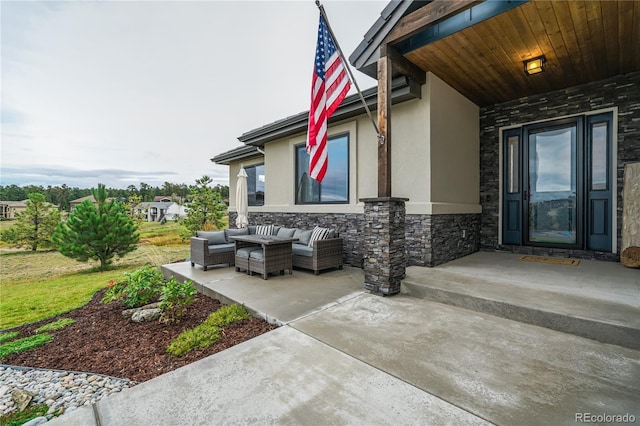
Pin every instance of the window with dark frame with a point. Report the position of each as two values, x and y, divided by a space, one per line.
334 188
255 184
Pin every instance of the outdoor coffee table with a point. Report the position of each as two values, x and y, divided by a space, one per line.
276 254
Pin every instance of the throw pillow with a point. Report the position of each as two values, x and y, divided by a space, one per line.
318 234
264 229
303 236
233 232
214 237
286 232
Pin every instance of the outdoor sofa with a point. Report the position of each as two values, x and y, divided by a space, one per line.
217 248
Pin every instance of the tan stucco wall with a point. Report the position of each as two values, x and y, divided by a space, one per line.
435 158
234 169
455 149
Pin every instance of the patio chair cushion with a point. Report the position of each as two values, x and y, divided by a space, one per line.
302 235
286 232
274 230
246 251
302 250
264 229
214 237
252 229
233 232
318 234
257 254
222 248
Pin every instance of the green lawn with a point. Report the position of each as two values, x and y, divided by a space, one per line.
41 284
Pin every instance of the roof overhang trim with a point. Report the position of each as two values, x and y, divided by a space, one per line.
402 90
237 154
454 23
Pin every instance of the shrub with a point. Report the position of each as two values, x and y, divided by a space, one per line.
143 286
199 337
25 344
175 296
114 291
227 315
207 333
15 417
57 325
8 336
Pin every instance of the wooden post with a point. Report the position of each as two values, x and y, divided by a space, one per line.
384 124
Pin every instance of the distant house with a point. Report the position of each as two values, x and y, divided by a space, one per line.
8 209
73 204
155 211
176 212
162 198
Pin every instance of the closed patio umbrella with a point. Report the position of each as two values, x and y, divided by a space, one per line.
242 199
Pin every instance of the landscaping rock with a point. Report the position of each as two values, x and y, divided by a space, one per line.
129 312
43 385
630 257
22 398
146 315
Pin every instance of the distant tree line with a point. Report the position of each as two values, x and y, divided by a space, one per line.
105 228
62 195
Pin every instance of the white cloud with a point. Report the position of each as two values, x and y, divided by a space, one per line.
153 89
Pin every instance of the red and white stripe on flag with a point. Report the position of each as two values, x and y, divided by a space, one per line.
329 86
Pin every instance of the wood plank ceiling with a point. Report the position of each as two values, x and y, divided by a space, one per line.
583 41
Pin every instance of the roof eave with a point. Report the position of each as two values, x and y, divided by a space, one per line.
402 90
365 56
241 153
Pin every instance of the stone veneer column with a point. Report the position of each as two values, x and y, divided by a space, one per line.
385 259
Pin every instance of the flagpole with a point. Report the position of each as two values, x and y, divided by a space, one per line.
351 77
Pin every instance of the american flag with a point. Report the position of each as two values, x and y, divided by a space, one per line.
329 86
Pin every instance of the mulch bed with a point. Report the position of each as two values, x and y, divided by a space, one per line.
102 341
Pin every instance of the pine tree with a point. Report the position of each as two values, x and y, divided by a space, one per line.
205 209
97 232
35 225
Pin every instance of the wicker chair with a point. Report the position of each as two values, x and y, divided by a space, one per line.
201 255
326 254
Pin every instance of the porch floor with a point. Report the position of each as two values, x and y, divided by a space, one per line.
279 300
595 299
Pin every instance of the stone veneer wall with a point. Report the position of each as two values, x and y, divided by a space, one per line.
447 241
622 91
430 240
349 226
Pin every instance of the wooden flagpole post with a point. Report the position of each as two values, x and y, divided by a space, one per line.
384 124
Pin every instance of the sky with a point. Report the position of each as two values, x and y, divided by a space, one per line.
124 92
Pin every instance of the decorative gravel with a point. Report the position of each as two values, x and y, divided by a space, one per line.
58 389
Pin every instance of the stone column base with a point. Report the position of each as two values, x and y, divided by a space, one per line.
385 259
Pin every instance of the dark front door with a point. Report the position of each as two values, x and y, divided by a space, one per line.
557 184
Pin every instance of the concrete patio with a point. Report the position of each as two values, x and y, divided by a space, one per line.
282 298
343 356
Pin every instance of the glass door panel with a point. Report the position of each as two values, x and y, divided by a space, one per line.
599 186
599 160
552 203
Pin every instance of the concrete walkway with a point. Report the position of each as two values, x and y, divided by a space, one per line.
355 358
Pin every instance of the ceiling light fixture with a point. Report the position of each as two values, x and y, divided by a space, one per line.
535 65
